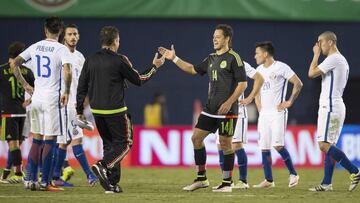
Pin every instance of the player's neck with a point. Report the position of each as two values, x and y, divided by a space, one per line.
71 48
52 36
222 50
112 48
269 62
333 50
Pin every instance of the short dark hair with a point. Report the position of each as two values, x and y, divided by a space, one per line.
15 49
266 46
62 35
227 30
108 34
54 24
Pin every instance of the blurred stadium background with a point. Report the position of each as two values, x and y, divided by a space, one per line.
292 25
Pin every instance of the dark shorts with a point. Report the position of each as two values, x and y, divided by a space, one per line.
226 126
11 128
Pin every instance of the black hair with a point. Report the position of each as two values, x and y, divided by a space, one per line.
108 34
227 31
266 46
15 49
54 24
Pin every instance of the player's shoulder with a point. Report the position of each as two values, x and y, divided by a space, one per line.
236 57
79 55
281 65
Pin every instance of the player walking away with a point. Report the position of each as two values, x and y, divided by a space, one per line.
103 80
50 60
13 112
240 137
334 72
73 133
273 112
227 82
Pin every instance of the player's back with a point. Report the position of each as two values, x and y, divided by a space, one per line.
77 63
47 57
336 72
274 89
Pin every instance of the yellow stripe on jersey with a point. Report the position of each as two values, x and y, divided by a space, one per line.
107 112
237 57
3 128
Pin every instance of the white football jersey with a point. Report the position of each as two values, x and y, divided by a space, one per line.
77 65
274 89
335 70
47 58
250 72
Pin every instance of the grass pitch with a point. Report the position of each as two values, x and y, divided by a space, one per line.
165 185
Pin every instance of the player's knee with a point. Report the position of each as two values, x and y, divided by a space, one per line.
278 148
324 146
197 141
13 144
225 145
237 146
63 146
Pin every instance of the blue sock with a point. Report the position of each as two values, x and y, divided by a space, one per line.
33 159
47 157
9 160
80 156
287 159
28 171
340 157
60 158
51 173
221 159
266 161
328 170
242 162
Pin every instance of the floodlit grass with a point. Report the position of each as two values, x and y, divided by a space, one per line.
165 185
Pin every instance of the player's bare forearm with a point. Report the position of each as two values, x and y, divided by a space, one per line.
16 70
314 71
239 90
295 80
258 82
185 66
67 78
258 102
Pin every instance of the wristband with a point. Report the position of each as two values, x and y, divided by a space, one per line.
175 59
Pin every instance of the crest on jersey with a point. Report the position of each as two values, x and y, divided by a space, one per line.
272 76
223 64
51 6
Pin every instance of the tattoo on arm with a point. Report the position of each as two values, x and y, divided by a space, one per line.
296 89
67 77
16 70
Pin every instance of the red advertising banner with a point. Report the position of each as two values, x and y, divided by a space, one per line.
171 146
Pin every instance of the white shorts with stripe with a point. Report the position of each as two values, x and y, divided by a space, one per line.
46 118
271 128
239 133
330 122
26 129
71 131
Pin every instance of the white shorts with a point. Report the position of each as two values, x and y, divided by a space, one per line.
271 128
26 129
71 131
239 133
46 118
329 124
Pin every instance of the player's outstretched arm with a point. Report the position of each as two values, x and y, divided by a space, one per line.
183 65
19 77
258 82
226 106
295 80
136 78
314 70
67 81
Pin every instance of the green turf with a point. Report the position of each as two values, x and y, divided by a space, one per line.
164 185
